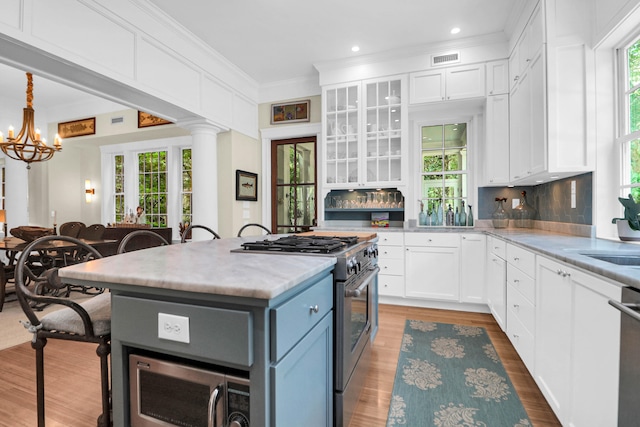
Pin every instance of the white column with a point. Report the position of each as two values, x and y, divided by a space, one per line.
204 160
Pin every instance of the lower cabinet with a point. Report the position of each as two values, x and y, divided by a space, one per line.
496 278
391 263
473 247
432 268
302 379
577 341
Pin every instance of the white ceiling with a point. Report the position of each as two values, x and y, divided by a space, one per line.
277 40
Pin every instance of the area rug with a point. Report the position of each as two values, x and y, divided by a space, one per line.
451 375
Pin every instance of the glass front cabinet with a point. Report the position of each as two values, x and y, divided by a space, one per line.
365 134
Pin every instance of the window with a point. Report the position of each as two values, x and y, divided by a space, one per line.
118 185
152 186
629 135
443 181
186 186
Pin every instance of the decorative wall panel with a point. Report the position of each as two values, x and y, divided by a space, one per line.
10 13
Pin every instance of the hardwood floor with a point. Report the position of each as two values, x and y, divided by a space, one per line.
73 382
373 407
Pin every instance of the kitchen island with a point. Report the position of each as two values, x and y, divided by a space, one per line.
267 318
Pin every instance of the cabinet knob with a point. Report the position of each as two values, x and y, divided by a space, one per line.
515 258
314 309
516 78
516 281
516 306
516 336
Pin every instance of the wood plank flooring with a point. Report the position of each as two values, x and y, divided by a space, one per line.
73 382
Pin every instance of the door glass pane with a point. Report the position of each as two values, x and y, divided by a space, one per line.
633 63
306 163
285 168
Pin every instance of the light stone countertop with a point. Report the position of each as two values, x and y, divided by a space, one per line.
206 267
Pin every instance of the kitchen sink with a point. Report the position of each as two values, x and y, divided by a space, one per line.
619 259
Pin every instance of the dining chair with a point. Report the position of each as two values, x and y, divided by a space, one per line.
186 234
92 232
38 283
244 227
71 228
140 239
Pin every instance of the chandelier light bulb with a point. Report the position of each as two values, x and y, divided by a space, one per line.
11 131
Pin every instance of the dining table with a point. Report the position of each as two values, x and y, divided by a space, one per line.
13 246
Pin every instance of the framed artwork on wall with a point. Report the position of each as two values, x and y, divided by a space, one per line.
290 113
246 186
77 128
146 120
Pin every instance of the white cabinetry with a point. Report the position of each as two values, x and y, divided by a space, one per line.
473 247
432 266
497 77
462 82
521 302
548 69
577 344
391 263
496 149
496 280
364 134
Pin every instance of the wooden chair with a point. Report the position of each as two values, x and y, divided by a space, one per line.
71 228
244 227
91 232
186 234
37 284
150 238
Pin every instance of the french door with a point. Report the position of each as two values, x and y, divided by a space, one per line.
293 185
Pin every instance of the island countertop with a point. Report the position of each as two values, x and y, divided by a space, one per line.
205 267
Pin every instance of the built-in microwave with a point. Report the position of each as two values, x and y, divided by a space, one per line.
169 393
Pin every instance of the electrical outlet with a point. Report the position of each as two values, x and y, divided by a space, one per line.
173 328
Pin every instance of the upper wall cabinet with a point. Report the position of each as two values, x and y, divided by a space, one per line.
551 103
497 77
365 130
467 81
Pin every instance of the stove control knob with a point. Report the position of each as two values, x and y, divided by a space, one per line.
238 420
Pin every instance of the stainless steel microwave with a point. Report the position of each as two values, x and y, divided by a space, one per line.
167 393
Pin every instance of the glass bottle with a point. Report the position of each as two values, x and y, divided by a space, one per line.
450 216
500 217
456 221
470 217
524 213
440 214
422 216
463 216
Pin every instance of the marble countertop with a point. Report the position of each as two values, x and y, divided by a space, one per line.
202 267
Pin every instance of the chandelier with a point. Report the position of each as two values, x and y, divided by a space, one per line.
27 145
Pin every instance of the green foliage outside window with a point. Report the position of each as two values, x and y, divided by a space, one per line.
633 95
152 186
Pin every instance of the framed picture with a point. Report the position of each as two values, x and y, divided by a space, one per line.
290 113
146 120
77 128
246 186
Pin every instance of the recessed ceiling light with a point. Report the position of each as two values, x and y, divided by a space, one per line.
455 30
355 48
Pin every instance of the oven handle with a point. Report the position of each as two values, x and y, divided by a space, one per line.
211 407
627 309
356 292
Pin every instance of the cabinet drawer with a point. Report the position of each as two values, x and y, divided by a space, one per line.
391 266
432 239
215 334
391 285
392 239
521 338
522 308
498 247
523 283
388 252
522 258
294 318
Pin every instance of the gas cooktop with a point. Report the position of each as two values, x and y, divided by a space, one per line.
302 244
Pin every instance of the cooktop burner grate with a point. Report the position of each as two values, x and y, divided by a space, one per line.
302 244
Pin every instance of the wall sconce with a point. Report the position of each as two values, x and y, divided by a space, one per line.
88 191
3 220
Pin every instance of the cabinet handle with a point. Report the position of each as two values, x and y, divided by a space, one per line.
516 306
464 237
528 60
516 336
515 258
516 78
516 281
496 247
314 309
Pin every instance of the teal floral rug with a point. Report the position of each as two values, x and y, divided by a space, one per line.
451 375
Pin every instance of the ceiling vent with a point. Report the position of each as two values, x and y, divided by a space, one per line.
445 58
117 120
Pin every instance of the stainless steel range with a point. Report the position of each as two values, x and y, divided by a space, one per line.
354 278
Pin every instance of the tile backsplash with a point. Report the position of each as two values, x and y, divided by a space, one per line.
551 200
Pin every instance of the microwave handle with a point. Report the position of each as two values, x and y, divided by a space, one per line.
214 397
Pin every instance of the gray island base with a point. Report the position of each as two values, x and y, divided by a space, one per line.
264 317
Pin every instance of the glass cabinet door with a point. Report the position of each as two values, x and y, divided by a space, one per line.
384 131
341 135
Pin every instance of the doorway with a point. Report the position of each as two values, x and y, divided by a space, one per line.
293 185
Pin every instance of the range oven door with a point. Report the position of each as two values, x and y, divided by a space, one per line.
354 305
